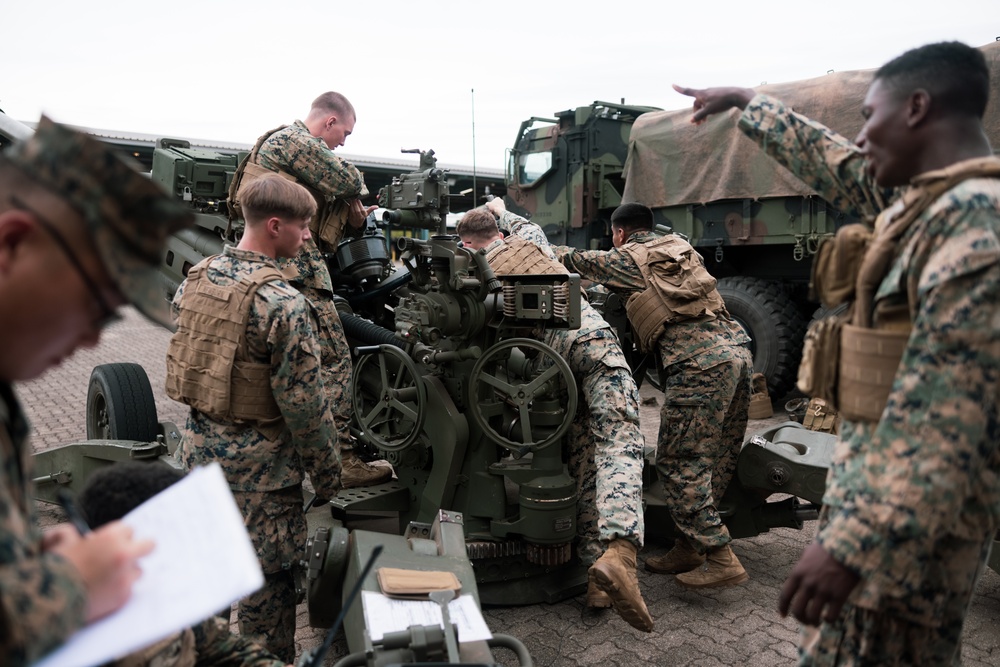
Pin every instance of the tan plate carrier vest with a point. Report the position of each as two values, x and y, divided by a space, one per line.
519 256
678 288
208 365
331 213
853 364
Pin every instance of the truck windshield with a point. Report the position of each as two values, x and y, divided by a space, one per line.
531 167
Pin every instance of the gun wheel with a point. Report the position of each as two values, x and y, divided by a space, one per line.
389 398
120 404
505 403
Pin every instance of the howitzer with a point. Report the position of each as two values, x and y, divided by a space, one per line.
450 389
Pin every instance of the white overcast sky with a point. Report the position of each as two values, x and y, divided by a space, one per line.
228 70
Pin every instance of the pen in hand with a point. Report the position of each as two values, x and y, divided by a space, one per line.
73 511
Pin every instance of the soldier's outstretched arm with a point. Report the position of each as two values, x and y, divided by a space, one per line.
708 101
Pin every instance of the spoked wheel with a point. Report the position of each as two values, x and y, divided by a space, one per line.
389 398
499 393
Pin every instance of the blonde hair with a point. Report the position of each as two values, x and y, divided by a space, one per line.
274 196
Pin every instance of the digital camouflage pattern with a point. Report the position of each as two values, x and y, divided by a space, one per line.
604 446
707 371
266 475
42 599
296 151
207 644
911 502
128 216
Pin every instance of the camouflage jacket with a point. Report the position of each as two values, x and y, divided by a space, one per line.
617 271
208 644
902 491
42 598
281 331
308 158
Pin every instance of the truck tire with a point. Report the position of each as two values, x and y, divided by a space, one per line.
774 324
120 404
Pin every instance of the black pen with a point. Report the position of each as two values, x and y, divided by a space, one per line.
73 511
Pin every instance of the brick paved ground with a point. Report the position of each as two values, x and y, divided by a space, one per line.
736 626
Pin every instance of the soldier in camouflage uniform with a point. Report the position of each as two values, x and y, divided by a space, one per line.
110 494
247 360
604 444
707 369
82 232
912 500
303 152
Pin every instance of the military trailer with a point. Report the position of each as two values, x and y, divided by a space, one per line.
756 225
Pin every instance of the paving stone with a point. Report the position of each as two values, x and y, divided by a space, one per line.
732 626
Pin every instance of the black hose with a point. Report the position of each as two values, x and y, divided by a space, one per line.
366 332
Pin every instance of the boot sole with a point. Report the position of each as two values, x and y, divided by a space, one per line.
671 570
629 614
603 602
735 580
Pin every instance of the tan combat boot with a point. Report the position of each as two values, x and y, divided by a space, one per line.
355 473
614 573
682 558
721 568
596 598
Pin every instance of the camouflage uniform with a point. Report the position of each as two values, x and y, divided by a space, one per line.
42 598
706 399
295 151
912 501
604 444
207 644
265 474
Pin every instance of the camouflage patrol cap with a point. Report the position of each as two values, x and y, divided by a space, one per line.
128 216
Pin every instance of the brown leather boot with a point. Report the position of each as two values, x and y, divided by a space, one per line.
614 573
721 568
596 598
682 558
354 472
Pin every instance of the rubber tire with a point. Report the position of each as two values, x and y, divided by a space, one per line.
774 324
120 404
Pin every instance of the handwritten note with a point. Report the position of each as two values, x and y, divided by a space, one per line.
203 562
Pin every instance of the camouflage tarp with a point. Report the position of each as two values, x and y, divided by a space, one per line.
672 162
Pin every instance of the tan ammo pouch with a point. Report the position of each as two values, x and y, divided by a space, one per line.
837 263
869 359
416 584
820 416
818 371
248 167
331 219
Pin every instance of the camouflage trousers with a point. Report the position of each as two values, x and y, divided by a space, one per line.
277 526
862 638
925 629
605 447
702 424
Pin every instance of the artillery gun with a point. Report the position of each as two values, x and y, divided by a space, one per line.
449 388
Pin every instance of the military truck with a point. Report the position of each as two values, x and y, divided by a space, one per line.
756 225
